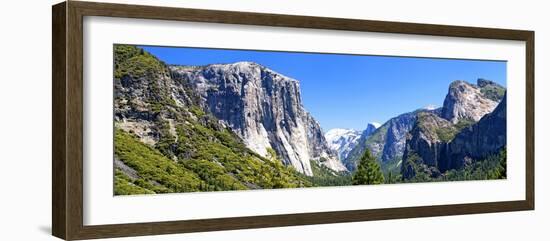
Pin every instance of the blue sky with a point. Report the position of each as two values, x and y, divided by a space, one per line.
349 91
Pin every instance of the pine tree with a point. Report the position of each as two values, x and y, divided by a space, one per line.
368 171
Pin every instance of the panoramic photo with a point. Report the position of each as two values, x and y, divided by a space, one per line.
199 120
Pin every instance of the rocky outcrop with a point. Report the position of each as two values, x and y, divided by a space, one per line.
264 108
491 89
395 136
466 101
427 140
481 139
139 93
436 145
162 128
386 143
437 141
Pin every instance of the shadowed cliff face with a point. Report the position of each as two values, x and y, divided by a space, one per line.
395 136
427 136
427 132
483 138
264 108
387 142
468 129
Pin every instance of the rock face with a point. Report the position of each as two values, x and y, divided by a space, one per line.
264 108
135 94
481 139
427 140
468 128
464 105
386 143
395 136
468 101
165 142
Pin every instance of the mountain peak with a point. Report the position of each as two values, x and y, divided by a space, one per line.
485 82
430 107
374 124
491 90
460 83
342 140
241 65
336 132
264 108
467 101
246 64
252 67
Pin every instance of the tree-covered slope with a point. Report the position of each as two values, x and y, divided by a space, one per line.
436 146
166 142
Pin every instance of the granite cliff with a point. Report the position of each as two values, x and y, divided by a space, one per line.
166 142
471 126
264 108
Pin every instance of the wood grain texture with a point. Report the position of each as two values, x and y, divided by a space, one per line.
530 120
279 20
67 119
58 121
75 106
138 229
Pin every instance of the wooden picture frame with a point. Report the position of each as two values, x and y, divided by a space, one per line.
67 123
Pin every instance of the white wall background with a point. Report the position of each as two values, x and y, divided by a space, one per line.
25 119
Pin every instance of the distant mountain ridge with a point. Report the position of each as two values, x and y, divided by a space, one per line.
464 103
344 140
385 143
243 126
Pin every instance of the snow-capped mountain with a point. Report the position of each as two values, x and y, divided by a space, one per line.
374 124
430 107
344 140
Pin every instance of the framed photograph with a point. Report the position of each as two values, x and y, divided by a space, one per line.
171 120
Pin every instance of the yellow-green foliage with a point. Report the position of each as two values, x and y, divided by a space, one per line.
157 173
446 134
209 160
222 148
201 156
493 92
125 186
133 61
324 176
464 123
214 175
